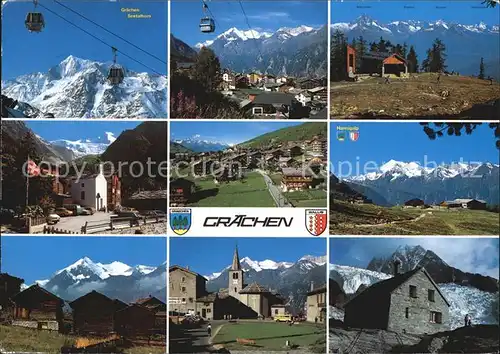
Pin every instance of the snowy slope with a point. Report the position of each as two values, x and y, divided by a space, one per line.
351 278
87 146
198 144
77 88
467 300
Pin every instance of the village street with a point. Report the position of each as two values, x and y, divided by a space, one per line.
275 192
75 223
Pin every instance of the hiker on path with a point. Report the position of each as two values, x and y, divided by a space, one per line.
209 330
467 320
470 321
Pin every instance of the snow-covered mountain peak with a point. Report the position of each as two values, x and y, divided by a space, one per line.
295 31
258 266
321 260
83 147
72 65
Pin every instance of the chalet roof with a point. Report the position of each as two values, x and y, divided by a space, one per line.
175 267
88 300
245 103
144 195
317 89
461 201
208 298
394 59
144 300
7 276
254 288
278 98
135 306
27 293
296 172
321 289
384 288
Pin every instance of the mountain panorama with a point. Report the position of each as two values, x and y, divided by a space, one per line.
465 43
396 182
475 294
299 51
115 280
78 88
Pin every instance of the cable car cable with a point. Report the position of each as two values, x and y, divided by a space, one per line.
250 27
114 34
100 40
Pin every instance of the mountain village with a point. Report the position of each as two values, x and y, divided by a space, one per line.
236 311
60 201
280 173
92 322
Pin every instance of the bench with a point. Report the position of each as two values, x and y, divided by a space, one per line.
245 341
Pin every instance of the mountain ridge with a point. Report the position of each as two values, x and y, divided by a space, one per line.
78 88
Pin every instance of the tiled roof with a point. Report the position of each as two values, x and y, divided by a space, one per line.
159 194
254 288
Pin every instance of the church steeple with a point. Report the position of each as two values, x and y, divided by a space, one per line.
235 276
236 260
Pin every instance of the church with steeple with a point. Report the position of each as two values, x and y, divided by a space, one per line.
239 300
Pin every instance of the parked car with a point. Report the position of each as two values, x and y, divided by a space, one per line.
158 213
53 219
63 212
77 209
90 209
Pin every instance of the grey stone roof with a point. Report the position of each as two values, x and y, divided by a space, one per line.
159 194
254 288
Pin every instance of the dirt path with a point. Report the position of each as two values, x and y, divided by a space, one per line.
397 222
214 333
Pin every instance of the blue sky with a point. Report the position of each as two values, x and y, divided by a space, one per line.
37 258
59 39
78 130
262 15
464 12
225 132
381 142
222 250
475 255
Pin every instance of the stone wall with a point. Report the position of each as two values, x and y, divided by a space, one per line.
48 325
419 307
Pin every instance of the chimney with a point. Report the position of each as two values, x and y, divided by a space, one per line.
396 267
312 286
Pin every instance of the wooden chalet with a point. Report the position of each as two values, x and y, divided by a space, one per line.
415 202
9 286
149 200
38 308
94 314
296 179
159 309
181 191
135 320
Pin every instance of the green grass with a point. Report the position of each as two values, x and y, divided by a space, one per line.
299 132
269 335
17 339
252 192
370 219
307 198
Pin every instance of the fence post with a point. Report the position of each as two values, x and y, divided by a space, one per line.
111 224
144 220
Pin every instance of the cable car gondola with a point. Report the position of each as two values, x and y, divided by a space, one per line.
116 73
207 24
34 20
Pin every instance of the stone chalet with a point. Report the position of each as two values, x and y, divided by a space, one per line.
474 204
406 303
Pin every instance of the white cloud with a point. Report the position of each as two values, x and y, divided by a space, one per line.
267 16
153 283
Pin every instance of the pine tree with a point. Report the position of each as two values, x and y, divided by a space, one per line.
360 52
338 56
381 46
436 58
481 69
207 70
404 51
412 60
373 47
